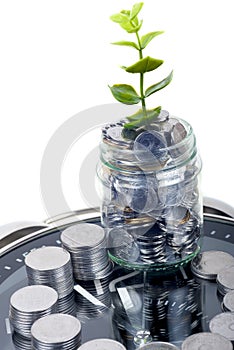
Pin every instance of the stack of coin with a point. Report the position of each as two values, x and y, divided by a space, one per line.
87 245
208 264
57 331
52 266
225 280
102 344
159 345
228 301
67 304
206 341
20 342
223 324
30 303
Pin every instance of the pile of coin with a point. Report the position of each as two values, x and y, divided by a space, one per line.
225 280
102 344
50 266
152 173
206 340
29 304
20 342
56 331
87 245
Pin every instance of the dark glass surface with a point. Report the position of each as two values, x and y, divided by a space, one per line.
129 303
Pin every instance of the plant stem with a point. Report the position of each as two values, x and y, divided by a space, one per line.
141 77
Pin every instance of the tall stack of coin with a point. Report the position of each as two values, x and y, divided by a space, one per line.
152 173
87 245
51 266
57 331
29 304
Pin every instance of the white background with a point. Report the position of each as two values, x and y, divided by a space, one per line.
56 60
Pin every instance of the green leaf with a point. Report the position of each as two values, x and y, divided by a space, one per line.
119 18
129 27
126 43
136 9
126 12
140 119
146 39
158 86
144 65
125 94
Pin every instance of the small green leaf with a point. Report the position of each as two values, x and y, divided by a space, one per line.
144 65
129 27
140 119
158 86
136 9
119 18
146 39
126 43
125 94
126 12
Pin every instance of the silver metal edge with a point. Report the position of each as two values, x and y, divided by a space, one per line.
56 222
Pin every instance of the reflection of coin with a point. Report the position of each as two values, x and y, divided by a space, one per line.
223 324
208 264
206 341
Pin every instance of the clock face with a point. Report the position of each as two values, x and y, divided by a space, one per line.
129 306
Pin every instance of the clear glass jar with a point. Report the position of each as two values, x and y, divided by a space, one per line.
150 190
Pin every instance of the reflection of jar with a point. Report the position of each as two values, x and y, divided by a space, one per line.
151 201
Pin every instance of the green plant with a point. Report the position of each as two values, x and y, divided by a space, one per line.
128 20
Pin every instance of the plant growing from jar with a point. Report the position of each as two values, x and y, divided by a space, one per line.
124 93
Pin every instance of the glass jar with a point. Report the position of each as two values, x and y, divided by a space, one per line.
150 193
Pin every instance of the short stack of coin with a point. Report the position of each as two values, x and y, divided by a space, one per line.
206 340
87 245
57 331
225 280
29 304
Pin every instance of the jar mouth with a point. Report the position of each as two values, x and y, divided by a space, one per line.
121 157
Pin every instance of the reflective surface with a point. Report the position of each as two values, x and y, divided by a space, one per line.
132 307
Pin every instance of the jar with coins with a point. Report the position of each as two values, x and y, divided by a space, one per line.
149 183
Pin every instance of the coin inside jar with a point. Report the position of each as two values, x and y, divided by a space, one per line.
208 264
102 344
223 324
206 341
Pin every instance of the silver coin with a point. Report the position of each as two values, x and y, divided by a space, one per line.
208 264
158 345
206 341
34 298
228 301
178 133
56 330
223 324
102 344
83 235
225 280
47 258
